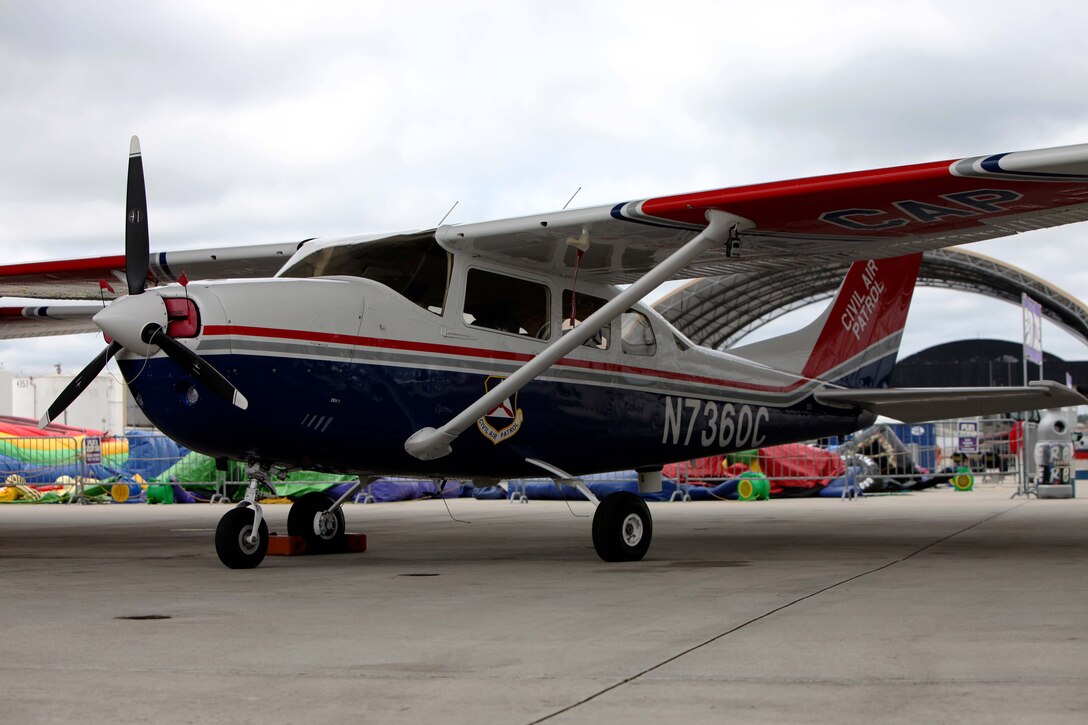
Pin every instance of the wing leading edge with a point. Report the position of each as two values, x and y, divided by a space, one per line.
917 405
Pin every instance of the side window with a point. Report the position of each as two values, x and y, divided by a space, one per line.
507 304
586 306
637 336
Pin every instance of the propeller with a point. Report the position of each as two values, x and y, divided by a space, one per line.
138 322
79 384
137 240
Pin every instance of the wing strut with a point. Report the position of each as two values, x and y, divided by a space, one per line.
429 443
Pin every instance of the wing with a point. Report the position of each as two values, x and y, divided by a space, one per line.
844 217
78 279
43 320
916 405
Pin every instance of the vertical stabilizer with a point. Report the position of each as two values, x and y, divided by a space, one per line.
855 341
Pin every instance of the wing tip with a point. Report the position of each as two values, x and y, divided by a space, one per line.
134 146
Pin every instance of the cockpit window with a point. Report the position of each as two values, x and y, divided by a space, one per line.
579 307
414 266
506 304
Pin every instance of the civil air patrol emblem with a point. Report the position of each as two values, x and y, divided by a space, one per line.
504 420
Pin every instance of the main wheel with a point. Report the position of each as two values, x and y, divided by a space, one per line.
232 539
622 528
309 518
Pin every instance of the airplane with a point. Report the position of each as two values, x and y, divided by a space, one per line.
510 348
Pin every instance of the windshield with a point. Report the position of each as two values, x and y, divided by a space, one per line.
414 266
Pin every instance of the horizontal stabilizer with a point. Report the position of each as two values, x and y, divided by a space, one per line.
916 405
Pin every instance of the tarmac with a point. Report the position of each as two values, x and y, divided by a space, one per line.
938 606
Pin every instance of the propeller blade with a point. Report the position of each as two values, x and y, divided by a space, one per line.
195 365
79 384
137 244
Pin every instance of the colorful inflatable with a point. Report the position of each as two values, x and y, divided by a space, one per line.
43 456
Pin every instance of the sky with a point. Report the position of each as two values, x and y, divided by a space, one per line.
280 121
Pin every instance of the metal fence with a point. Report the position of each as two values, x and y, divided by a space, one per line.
880 458
884 458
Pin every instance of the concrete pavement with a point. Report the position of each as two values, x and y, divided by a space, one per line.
939 606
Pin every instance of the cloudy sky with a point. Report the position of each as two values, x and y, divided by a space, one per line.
269 121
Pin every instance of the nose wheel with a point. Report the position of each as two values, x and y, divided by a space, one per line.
622 528
241 538
238 543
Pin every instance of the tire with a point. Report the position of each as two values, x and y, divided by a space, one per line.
304 520
230 542
622 528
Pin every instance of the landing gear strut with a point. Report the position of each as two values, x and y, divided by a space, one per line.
622 528
241 539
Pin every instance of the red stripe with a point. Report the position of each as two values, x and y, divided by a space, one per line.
780 205
63 266
797 206
479 353
363 341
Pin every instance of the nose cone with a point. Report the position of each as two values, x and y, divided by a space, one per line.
125 319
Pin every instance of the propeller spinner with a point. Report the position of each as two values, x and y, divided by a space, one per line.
138 321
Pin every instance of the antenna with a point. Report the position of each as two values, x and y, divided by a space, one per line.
572 197
448 213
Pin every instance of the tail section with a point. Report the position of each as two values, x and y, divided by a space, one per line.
855 341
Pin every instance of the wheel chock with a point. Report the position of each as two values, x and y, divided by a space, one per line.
296 545
354 543
286 545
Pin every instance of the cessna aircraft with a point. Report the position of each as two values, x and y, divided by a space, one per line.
504 349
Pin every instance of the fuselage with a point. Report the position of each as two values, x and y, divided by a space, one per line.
341 361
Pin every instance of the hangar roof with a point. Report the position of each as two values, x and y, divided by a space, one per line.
719 311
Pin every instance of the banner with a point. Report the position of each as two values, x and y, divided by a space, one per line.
1033 330
967 436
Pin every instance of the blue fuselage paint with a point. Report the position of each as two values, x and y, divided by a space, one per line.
354 416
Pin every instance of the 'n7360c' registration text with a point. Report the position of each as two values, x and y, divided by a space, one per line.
713 424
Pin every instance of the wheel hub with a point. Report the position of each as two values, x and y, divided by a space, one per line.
632 530
247 543
325 524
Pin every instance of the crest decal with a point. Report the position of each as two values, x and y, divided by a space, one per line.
504 420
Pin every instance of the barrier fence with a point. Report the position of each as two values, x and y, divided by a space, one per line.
883 458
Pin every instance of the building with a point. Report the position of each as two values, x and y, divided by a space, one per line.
100 407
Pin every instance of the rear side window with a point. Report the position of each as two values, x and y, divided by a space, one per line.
507 304
637 335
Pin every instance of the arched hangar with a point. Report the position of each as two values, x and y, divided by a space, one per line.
719 311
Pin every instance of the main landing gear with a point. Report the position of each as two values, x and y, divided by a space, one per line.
321 524
622 527
241 539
